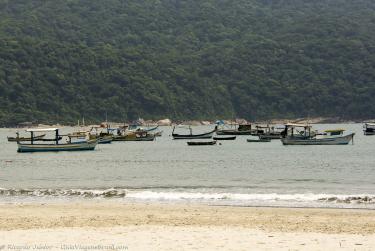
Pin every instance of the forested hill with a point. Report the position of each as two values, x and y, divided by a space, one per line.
185 59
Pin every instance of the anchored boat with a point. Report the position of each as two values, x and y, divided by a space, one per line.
56 145
201 143
103 137
135 136
306 136
258 140
224 138
369 129
268 132
207 135
244 129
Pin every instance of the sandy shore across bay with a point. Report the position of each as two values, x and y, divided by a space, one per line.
106 225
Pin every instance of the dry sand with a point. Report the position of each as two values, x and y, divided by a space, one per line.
144 226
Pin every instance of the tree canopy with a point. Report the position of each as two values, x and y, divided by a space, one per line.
185 59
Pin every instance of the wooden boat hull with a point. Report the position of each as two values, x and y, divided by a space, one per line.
233 132
224 138
270 136
151 129
201 143
192 136
127 138
343 140
258 140
105 140
367 133
82 146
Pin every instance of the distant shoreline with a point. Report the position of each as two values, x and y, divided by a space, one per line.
168 122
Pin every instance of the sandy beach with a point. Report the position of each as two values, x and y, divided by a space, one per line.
140 226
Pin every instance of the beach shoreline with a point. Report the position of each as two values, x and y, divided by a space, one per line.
105 213
156 226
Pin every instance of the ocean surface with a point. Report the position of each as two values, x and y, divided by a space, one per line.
170 171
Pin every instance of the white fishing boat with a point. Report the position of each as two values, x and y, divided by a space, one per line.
55 144
293 135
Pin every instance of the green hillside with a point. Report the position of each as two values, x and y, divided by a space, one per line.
185 59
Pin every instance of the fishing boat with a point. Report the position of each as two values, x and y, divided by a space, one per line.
244 129
258 140
268 132
18 138
103 137
146 129
70 145
79 135
306 136
201 143
207 135
369 129
107 139
135 136
224 138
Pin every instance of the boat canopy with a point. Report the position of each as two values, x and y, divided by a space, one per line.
370 124
41 129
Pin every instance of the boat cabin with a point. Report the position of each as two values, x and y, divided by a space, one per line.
334 132
244 127
298 131
37 130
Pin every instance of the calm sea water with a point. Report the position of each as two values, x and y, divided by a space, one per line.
233 173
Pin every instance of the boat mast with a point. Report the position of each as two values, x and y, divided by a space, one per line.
32 137
57 136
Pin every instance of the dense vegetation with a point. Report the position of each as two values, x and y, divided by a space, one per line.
185 59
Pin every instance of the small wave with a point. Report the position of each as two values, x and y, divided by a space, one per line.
350 199
219 196
271 197
85 193
173 195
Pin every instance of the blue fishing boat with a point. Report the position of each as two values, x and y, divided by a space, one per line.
55 144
